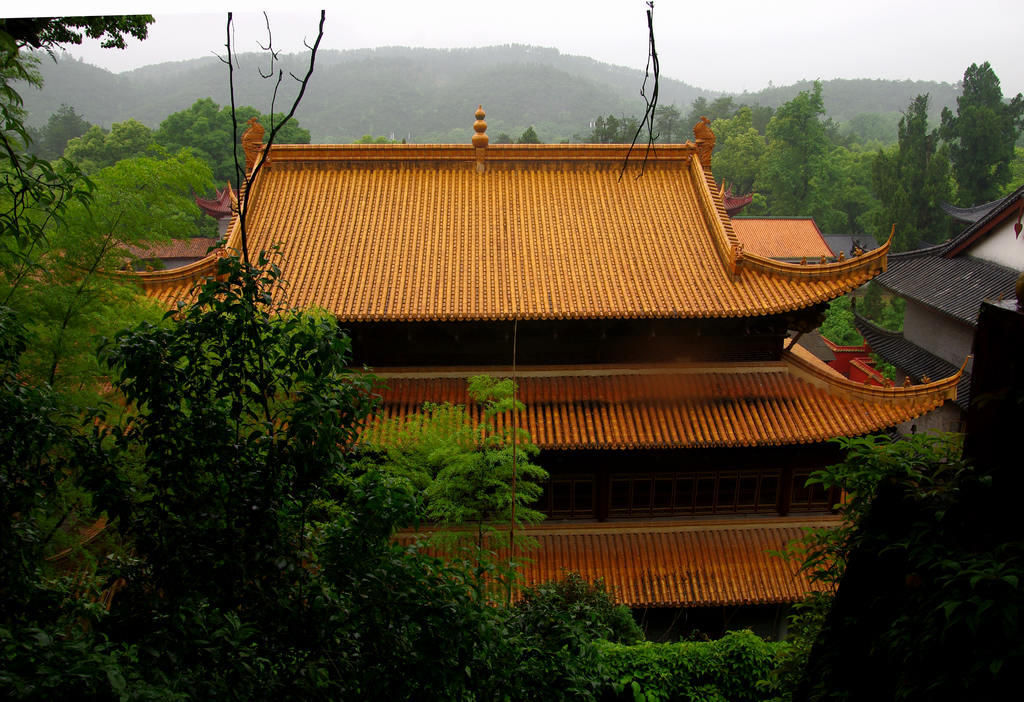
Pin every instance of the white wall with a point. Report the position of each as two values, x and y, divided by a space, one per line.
1001 246
943 336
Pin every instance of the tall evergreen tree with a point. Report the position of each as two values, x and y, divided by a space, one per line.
911 180
64 125
982 135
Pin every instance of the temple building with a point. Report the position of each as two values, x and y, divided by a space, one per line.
675 415
944 287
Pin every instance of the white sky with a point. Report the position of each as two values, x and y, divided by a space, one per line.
731 46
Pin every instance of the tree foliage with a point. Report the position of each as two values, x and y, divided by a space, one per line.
48 32
739 151
838 326
206 128
928 593
63 125
470 474
612 130
797 146
98 148
912 180
529 136
982 135
63 283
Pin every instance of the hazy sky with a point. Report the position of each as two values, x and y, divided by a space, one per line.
733 46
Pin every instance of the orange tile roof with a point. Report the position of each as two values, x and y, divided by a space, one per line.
781 237
419 232
796 400
675 564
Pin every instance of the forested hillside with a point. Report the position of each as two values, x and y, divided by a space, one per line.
428 95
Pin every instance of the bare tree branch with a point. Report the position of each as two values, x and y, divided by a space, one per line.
240 177
652 101
248 179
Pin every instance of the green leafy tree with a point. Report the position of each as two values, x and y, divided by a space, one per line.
50 586
48 32
798 147
470 474
370 139
669 127
65 285
97 148
1016 171
886 311
912 180
982 135
739 150
238 413
722 107
529 136
928 593
613 130
877 129
64 125
838 325
841 198
206 128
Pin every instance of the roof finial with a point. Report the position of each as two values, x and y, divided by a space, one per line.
705 139
480 139
252 142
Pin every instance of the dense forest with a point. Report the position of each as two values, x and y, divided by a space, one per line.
185 512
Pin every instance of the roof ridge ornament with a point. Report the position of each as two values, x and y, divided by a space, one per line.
705 139
252 142
480 138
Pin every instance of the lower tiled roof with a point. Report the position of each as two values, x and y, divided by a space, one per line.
680 564
911 358
781 237
797 400
194 247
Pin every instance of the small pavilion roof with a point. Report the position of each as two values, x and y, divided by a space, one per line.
796 400
782 237
222 205
396 232
673 564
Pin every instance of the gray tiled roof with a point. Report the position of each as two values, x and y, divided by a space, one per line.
911 358
953 286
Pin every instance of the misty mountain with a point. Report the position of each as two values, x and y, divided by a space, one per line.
427 95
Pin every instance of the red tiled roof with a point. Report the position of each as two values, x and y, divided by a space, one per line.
781 237
676 564
797 400
418 232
